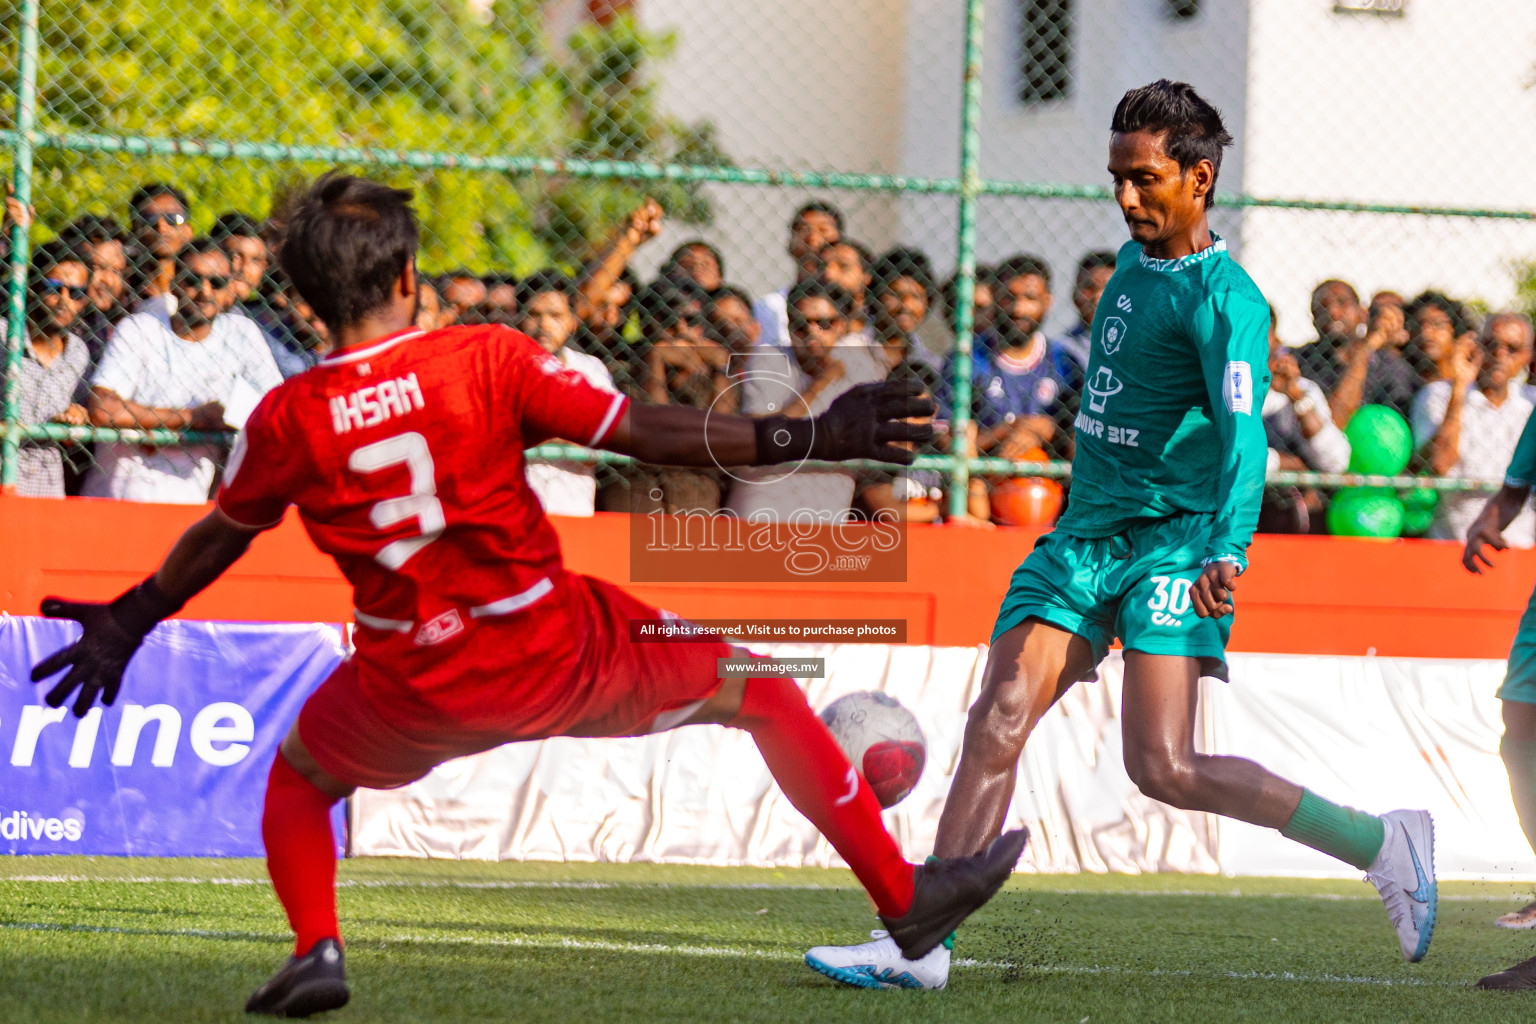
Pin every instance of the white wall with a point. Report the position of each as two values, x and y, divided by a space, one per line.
1432 108
1118 45
803 84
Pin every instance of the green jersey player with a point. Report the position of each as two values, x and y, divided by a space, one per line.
1518 693
1166 484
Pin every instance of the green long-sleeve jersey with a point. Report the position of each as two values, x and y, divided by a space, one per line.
1171 414
1522 465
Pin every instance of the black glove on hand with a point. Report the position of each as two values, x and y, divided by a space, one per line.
113 632
861 423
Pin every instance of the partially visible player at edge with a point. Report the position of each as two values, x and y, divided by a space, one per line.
1166 484
402 451
1518 693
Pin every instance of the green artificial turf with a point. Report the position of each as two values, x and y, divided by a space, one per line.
106 939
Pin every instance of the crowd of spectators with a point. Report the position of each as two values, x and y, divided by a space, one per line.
154 327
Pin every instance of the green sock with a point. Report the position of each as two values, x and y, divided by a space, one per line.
1343 832
949 940
1520 761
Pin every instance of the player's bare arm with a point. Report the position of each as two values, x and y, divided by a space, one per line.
1487 531
1212 592
864 423
113 631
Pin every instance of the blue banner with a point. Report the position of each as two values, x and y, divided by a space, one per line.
178 767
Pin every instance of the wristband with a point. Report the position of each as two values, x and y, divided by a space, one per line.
1238 560
782 439
141 608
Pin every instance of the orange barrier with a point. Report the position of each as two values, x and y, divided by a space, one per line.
1304 595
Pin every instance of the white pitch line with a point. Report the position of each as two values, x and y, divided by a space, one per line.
389 883
655 948
385 883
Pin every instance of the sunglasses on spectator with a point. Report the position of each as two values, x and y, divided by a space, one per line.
189 280
825 323
154 220
52 285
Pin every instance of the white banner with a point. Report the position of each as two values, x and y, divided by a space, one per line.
1375 733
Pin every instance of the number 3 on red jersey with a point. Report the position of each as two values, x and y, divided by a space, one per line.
421 504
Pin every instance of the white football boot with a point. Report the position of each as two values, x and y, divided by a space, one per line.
1404 873
879 964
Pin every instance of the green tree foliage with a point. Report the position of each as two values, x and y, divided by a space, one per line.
437 75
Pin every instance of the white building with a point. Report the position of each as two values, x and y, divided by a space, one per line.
1429 106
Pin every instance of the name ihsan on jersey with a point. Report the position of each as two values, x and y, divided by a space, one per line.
370 406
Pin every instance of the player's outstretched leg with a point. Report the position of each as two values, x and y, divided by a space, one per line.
919 905
1518 749
301 858
1029 667
1396 850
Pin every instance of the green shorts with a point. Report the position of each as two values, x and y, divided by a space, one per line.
1520 677
1134 585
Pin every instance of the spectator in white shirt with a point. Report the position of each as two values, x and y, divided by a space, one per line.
1468 426
821 364
814 226
200 368
546 303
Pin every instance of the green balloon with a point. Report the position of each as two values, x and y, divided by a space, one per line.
1380 442
1417 521
1425 499
1365 512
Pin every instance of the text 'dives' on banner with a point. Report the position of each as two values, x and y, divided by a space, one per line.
178 766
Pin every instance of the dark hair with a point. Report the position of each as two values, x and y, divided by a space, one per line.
1461 319
695 243
547 280
153 190
818 206
899 263
50 254
1354 295
92 229
949 290
455 274
1023 265
497 278
866 257
729 291
1192 128
821 288
234 225
662 301
1098 259
202 244
347 242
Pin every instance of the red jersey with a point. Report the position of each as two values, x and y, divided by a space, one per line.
405 460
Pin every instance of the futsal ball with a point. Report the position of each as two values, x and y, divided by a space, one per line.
882 739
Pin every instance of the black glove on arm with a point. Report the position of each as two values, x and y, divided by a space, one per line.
860 424
113 632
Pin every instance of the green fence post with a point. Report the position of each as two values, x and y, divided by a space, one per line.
965 270
16 324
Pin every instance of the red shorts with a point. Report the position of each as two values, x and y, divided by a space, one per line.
562 667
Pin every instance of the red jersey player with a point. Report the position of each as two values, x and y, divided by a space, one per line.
402 451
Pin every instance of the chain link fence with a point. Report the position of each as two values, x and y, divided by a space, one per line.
643 185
